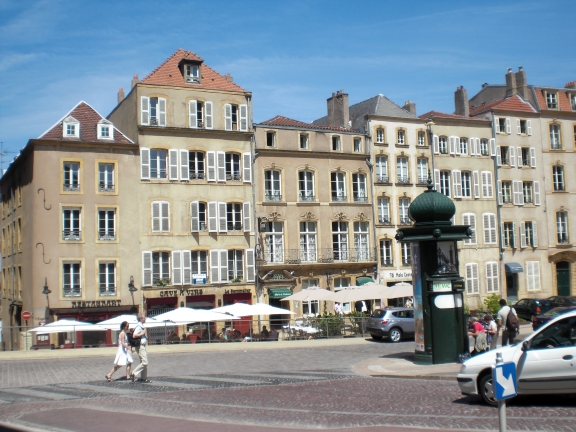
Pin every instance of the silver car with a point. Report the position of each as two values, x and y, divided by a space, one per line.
393 323
545 363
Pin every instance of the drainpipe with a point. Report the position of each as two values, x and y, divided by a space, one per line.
498 215
368 153
13 297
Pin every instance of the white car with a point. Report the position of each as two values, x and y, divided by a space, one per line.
545 363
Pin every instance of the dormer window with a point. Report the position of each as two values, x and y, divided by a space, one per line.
105 130
551 101
192 73
71 128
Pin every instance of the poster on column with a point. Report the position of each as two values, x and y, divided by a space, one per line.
418 306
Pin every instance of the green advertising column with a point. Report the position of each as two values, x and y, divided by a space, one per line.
441 335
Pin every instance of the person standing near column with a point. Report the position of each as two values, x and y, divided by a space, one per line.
507 335
142 368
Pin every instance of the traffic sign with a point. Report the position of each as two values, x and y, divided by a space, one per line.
26 315
504 379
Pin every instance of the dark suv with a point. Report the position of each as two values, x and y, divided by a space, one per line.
530 308
393 323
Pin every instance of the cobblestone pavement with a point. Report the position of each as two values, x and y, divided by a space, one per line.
255 390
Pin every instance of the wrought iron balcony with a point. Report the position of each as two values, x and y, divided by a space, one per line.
235 176
306 196
272 196
405 221
382 179
339 198
403 179
443 150
106 234
563 239
506 200
360 197
103 187
73 235
324 255
484 153
70 291
234 226
71 187
422 180
556 146
386 262
105 290
528 200
384 221
559 187
196 175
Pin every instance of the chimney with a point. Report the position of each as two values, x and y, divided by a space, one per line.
461 103
510 83
229 78
410 107
521 83
120 95
338 113
135 80
571 85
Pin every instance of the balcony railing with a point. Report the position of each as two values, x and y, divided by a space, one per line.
528 200
339 198
107 234
360 197
405 221
233 176
422 180
563 239
559 187
72 291
387 262
382 179
384 221
443 150
326 255
306 196
506 200
71 187
234 226
484 152
197 175
403 179
103 187
556 146
71 234
272 196
107 290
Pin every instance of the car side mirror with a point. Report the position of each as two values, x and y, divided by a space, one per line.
525 345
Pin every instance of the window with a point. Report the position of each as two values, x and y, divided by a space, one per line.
382 169
233 167
489 222
234 216
523 157
533 275
562 227
380 136
308 242
192 73
487 189
359 188
153 111
503 125
311 307
236 117
505 155
470 219
402 170
303 141
106 224
106 177
555 137
403 205
270 139
71 177
357 145
160 216
384 211
199 266
463 146
200 114
492 284
445 183
341 282
107 278
105 130
306 186
443 145
336 143
338 184
386 253
158 163
457 184
275 242
558 178
196 165
472 278
272 186
401 137
235 265
527 193
71 224
523 127
421 138
71 279
573 102
406 250
197 216
528 234
70 128
422 164
160 267
361 241
484 147
508 235
551 100
340 240
506 192
467 184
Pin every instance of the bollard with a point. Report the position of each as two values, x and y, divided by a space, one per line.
501 403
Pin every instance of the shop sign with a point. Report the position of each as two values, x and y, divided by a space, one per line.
175 293
95 304
199 279
397 274
442 286
236 291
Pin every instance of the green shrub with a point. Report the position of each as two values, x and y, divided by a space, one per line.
492 304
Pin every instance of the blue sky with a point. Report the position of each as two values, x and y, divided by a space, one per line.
291 55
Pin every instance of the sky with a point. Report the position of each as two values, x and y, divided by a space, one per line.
291 55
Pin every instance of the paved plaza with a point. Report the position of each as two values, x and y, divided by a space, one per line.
337 385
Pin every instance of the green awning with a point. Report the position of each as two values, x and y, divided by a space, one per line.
363 280
276 293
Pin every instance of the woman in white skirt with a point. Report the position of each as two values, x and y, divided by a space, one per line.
123 357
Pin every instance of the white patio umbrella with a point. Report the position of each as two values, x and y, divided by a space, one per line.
185 315
66 325
258 309
310 294
114 323
364 292
399 290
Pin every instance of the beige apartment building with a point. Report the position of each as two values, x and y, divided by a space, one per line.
194 214
68 241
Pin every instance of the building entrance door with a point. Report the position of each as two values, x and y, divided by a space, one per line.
512 286
563 278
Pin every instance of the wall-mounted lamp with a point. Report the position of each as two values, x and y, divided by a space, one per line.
262 224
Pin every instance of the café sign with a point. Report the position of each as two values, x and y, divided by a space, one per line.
96 304
396 275
175 293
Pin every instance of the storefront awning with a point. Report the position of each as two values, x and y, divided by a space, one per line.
513 268
363 280
278 293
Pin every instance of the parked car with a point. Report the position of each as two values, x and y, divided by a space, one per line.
562 301
540 320
394 323
529 308
544 363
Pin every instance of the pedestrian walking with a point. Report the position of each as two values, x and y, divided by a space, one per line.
338 309
123 357
508 335
491 331
141 333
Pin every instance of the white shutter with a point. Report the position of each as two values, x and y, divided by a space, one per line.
184 169
457 145
529 275
247 167
156 216
436 144
243 117
508 127
221 160
519 193
222 225
536 186
208 122
529 127
457 183
165 208
487 228
498 156
496 125
146 268
487 191
537 275
250 266
228 117
211 165
437 180
193 114
214 266
476 182
145 163
532 157
492 147
186 267
223 253
173 162
514 236
452 144
518 126
472 223
512 156
194 217
176 267
502 236
500 196
534 234
522 235
145 110
246 216
161 112
519 162
472 144
515 192
213 216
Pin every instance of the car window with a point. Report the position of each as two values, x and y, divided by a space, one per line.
560 334
521 303
400 314
378 313
544 302
571 300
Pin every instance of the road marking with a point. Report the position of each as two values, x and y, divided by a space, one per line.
101 389
41 394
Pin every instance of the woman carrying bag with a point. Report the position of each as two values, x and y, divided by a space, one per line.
123 357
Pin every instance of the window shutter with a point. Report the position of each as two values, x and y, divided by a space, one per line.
145 110
476 288
519 193
184 169
472 144
488 185
487 231
176 267
457 181
519 161
529 275
161 112
146 268
243 117
529 127
514 192
532 157
534 234
536 275
508 127
512 155
514 236
186 267
500 197
222 225
221 159
193 113
496 125
452 143
156 216
437 180
223 253
536 186
228 117
211 165
213 216
457 145
498 156
173 156
165 207
518 126
145 163
492 146
250 266
476 182
522 235
247 216
472 223
208 122
194 218
502 237
436 144
214 266
247 167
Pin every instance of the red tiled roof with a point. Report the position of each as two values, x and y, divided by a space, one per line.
285 121
563 99
512 103
169 74
438 114
88 118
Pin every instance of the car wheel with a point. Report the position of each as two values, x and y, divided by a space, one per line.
486 390
376 337
395 335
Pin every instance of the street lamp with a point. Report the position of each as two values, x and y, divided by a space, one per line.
132 290
46 291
